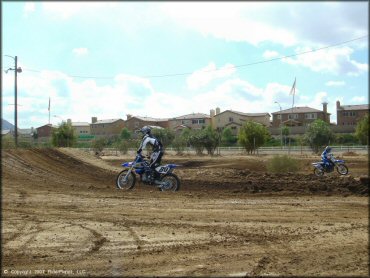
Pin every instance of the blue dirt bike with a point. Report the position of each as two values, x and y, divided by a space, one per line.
320 167
164 178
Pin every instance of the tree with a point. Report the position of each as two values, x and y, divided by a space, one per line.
98 145
122 146
346 139
227 137
125 134
210 139
179 144
195 141
64 135
318 135
164 135
362 130
285 131
252 135
206 138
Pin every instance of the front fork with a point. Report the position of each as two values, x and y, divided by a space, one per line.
128 173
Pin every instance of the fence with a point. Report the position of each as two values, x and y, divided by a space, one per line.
241 151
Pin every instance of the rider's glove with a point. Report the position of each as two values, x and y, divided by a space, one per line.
139 151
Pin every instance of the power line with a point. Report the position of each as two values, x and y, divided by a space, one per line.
225 68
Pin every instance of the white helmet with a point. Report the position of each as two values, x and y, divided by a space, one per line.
145 130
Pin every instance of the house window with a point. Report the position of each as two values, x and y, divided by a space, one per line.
231 119
198 121
349 114
233 127
310 116
279 117
136 124
293 116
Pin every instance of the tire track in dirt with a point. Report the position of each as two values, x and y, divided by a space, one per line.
98 240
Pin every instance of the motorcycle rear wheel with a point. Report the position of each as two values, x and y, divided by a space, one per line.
171 182
342 169
121 183
318 172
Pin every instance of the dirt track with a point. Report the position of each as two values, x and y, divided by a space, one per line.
62 215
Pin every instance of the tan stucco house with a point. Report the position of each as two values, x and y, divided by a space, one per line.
235 119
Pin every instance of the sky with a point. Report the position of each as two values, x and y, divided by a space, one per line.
168 59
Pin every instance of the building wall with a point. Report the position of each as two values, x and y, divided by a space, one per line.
44 131
235 120
82 130
350 117
107 129
301 118
134 123
196 123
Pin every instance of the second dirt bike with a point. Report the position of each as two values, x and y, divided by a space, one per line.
320 167
166 180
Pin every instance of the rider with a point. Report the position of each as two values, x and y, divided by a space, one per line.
156 156
327 157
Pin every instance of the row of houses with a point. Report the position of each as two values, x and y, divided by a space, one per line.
297 117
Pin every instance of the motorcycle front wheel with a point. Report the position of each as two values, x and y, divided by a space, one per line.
123 182
170 182
318 172
342 169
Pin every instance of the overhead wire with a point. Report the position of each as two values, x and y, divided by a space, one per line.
224 68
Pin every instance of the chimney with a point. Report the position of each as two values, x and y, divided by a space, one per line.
69 121
94 120
212 113
325 110
325 107
217 110
338 104
129 116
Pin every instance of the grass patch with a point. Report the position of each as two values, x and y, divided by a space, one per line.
282 164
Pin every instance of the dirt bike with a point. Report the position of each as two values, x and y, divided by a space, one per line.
164 178
320 167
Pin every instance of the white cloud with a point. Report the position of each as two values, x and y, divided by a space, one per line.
82 51
228 21
359 99
334 60
268 54
287 24
29 8
67 10
335 83
204 76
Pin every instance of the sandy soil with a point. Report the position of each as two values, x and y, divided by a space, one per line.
62 216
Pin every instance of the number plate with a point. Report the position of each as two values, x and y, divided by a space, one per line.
162 169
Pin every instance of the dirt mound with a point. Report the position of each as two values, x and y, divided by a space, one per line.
51 167
246 181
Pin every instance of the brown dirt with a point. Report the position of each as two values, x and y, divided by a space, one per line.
62 216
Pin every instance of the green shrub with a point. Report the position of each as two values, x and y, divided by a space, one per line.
122 146
7 142
25 145
99 144
281 164
179 145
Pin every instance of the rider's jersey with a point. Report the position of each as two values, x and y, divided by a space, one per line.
327 156
157 145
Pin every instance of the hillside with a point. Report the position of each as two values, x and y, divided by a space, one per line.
6 125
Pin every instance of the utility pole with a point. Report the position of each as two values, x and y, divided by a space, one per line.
15 101
280 125
16 70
